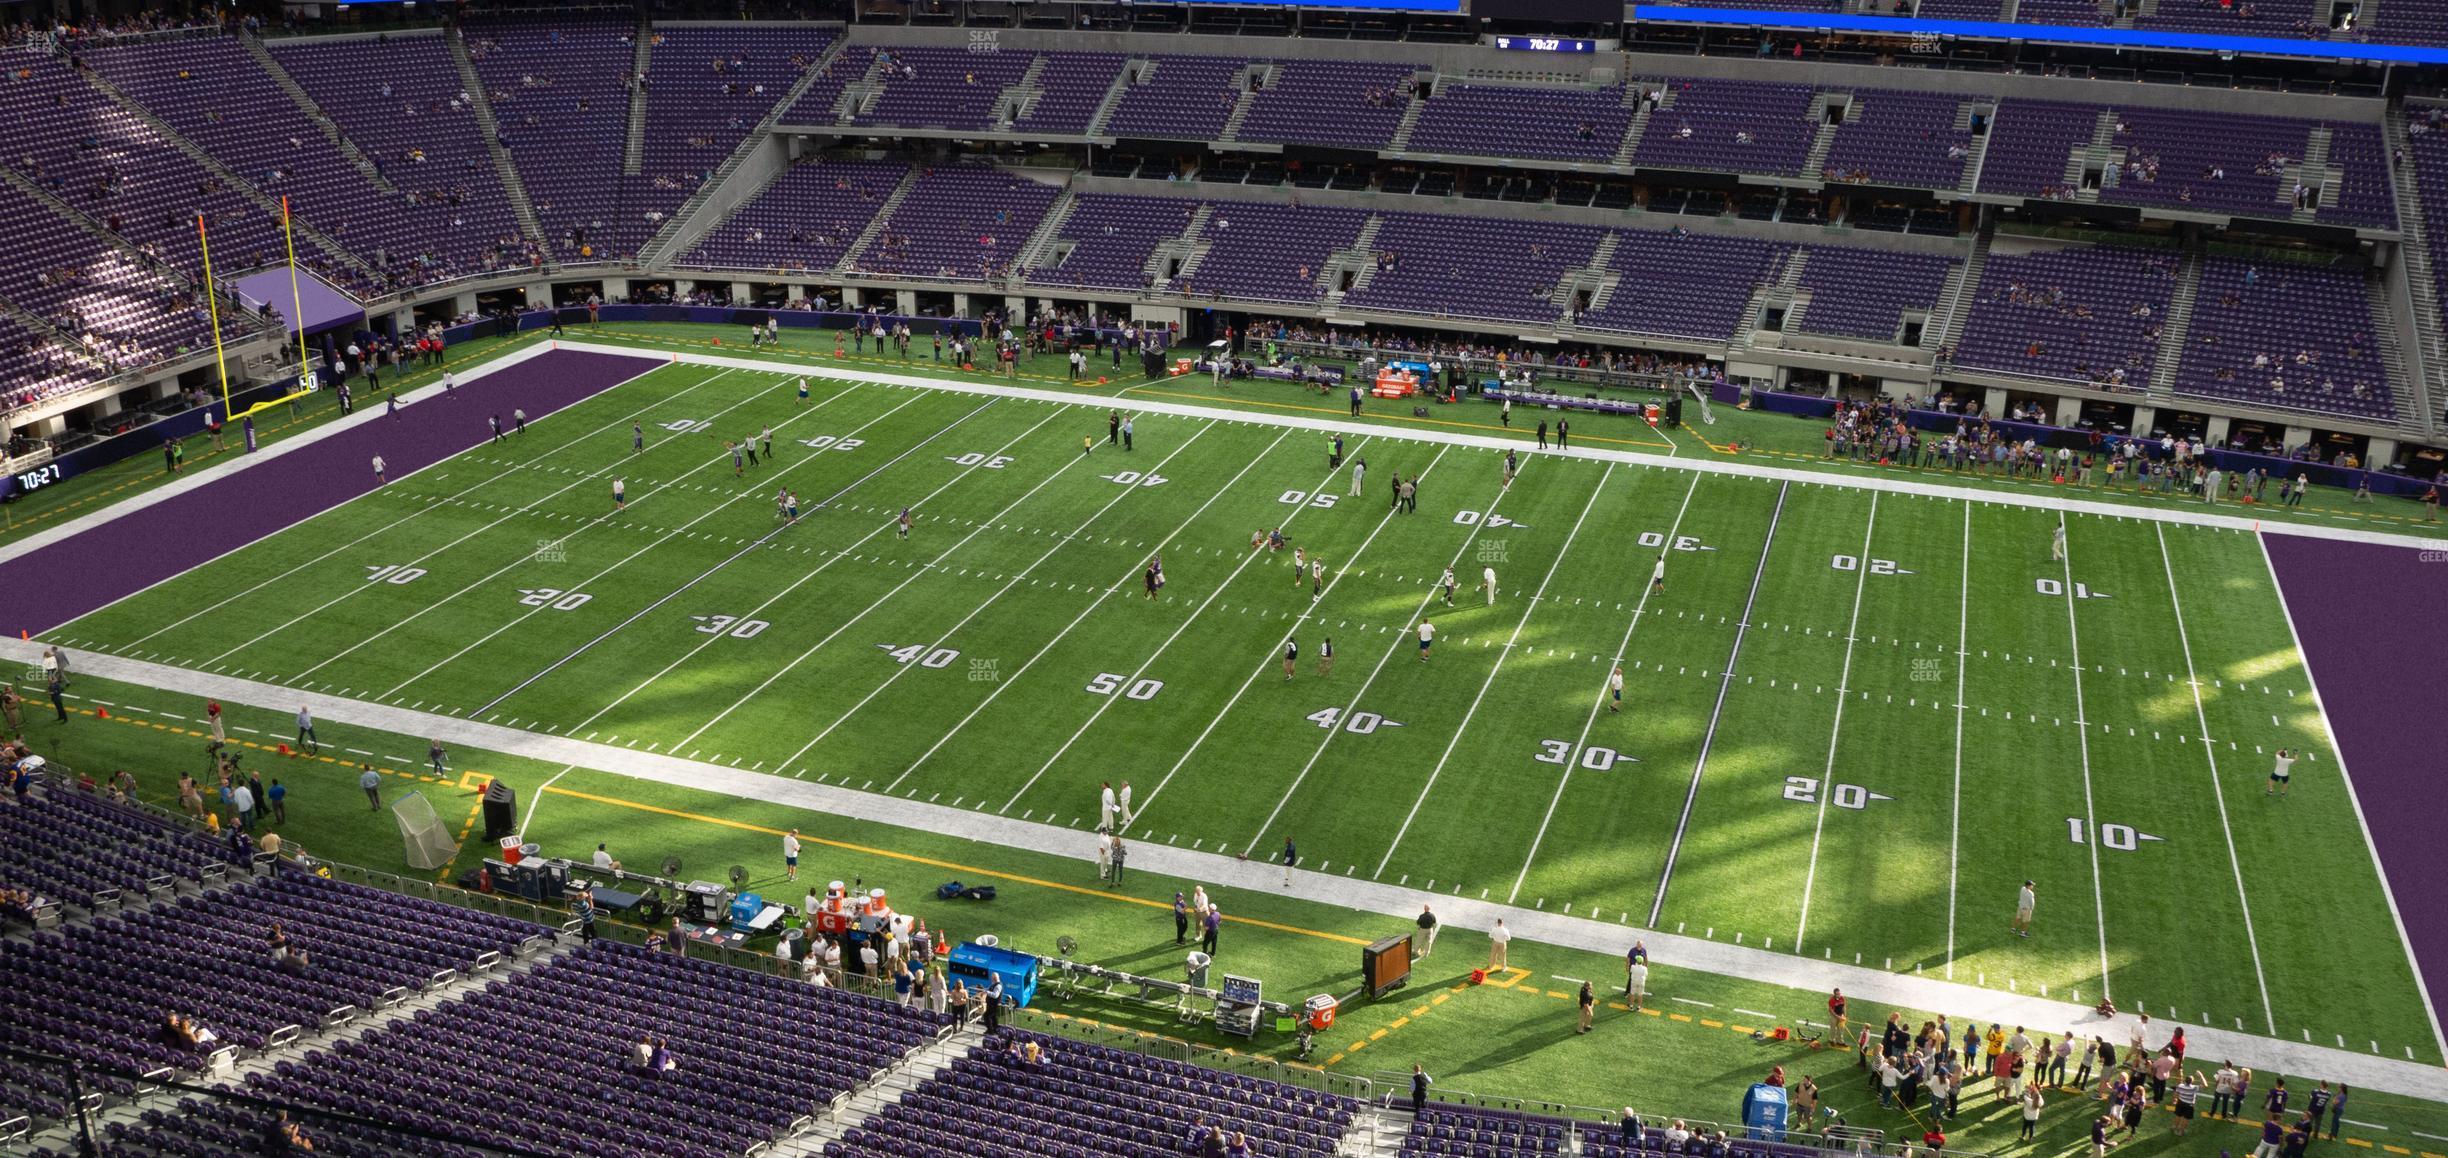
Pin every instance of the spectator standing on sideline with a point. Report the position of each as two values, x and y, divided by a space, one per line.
2032 1102
1589 1006
790 853
1208 928
1181 919
1427 932
433 752
54 687
278 797
1837 1021
12 710
381 477
2337 1111
2273 1136
1291 855
1419 1088
518 418
371 781
306 732
1121 853
1498 938
2025 901
1636 980
2188 1092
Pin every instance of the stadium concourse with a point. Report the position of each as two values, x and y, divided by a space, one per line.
2011 311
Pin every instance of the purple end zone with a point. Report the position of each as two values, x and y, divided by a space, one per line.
57 583
2371 621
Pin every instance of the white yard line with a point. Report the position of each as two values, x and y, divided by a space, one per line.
1016 579
360 588
1572 758
1265 664
2201 716
384 527
1373 899
1107 701
915 574
590 524
2321 704
1963 630
1725 683
830 559
709 572
1402 638
2082 724
1528 607
1844 680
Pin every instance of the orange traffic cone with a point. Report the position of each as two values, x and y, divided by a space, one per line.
283 749
101 713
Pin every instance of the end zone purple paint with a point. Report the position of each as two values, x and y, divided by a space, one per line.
57 583
2370 618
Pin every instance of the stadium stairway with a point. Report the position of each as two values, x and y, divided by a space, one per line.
481 103
314 112
1949 324
1135 66
634 153
2420 283
237 184
1247 101
684 229
2179 323
884 212
884 1091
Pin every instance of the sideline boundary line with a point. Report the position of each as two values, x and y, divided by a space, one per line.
1222 871
2044 502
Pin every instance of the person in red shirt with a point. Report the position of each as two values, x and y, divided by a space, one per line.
1836 1012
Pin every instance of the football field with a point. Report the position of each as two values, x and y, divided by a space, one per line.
1853 722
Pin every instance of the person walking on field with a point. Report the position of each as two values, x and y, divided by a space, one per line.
1359 469
1615 690
2057 543
2280 772
1657 577
1427 932
2025 901
1498 938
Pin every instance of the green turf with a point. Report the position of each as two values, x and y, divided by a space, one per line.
1005 654
1510 1040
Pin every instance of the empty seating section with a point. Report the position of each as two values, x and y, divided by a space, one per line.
115 168
121 312
767 1051
1450 1132
708 86
2083 313
1257 251
2422 22
1728 125
2205 162
1185 98
1464 267
1958 9
70 846
1321 102
816 105
1495 120
958 223
398 100
2428 152
1864 293
1071 87
560 97
2279 334
2032 145
805 221
1683 285
2362 193
1901 138
1112 238
1092 1099
93 991
2284 18
2070 13
213 93
942 88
